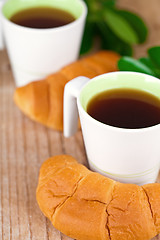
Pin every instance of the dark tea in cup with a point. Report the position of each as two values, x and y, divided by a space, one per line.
42 17
125 108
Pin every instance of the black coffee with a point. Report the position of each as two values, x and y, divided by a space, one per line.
42 17
125 108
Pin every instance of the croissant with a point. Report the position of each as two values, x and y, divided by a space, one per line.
88 206
42 100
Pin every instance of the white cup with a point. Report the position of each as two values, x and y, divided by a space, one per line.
126 155
36 53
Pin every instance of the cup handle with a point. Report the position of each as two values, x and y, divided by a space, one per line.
70 110
1 30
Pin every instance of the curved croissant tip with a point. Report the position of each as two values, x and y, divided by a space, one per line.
23 97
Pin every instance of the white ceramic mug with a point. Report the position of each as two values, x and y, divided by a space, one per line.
35 53
126 155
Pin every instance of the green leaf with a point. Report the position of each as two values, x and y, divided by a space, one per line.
120 27
147 61
137 24
125 49
109 3
154 54
88 38
110 41
130 64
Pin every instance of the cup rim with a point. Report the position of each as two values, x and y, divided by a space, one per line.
106 126
55 29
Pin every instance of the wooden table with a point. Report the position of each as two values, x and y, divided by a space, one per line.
24 145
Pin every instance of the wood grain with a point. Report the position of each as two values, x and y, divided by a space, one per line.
24 145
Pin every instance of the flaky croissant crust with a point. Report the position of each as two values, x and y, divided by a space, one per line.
88 206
